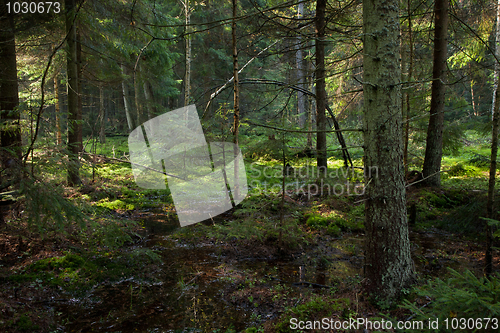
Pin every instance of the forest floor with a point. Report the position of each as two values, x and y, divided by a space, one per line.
248 269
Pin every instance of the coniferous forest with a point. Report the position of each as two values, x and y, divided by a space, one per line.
249 166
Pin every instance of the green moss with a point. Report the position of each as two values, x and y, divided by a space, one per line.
115 205
315 308
24 323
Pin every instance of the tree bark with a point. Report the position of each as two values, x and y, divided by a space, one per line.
496 74
187 38
301 97
148 94
102 116
388 264
126 103
320 88
434 146
72 87
494 152
9 95
236 124
57 106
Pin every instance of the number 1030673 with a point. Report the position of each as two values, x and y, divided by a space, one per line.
32 7
471 323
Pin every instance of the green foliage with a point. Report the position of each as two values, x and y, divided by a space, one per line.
115 205
461 170
48 211
332 223
24 323
310 310
78 272
461 296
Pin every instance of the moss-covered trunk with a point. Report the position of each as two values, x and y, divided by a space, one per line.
389 267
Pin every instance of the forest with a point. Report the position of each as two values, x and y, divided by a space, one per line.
249 166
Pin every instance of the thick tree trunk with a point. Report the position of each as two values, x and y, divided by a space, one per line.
494 152
320 88
10 154
57 106
434 147
72 87
301 97
102 116
388 267
126 103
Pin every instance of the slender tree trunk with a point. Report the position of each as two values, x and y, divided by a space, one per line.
301 97
187 39
9 97
125 95
137 97
57 106
79 125
309 144
148 94
434 147
320 88
494 152
496 74
102 116
407 94
236 124
72 87
388 266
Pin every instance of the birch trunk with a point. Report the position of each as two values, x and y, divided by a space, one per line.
125 95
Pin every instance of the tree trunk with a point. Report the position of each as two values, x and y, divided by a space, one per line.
9 98
434 147
102 116
494 152
236 124
137 97
57 106
187 38
310 108
125 95
320 88
410 77
72 87
301 97
148 94
388 266
496 74
79 115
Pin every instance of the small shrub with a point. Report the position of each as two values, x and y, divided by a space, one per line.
461 296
